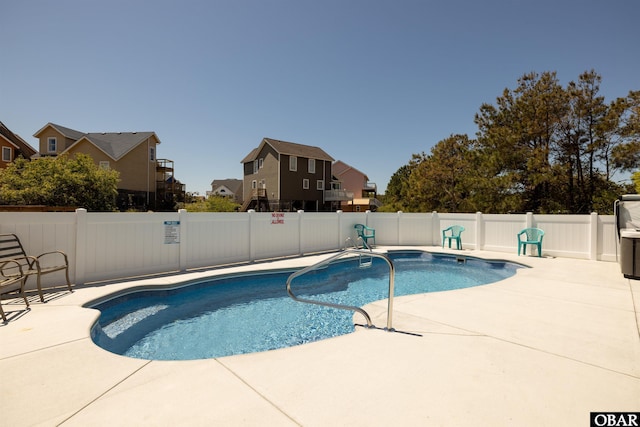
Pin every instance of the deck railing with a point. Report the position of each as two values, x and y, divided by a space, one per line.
105 246
338 195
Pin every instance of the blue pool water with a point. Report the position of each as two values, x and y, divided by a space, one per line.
251 313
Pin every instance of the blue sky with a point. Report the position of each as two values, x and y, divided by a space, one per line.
371 82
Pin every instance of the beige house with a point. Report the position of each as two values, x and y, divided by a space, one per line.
363 193
285 176
146 182
12 147
231 188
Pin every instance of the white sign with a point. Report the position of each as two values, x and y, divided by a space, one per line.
171 232
277 218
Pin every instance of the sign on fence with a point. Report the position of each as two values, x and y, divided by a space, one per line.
171 232
277 218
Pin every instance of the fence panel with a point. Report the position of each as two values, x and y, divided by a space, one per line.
127 244
217 238
41 232
386 226
415 229
565 235
608 248
319 232
274 234
500 231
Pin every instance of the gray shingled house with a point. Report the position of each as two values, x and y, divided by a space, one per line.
285 176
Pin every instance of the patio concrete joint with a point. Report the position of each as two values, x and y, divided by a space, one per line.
104 393
262 396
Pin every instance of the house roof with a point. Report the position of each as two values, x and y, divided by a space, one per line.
67 132
339 168
234 185
23 147
290 149
114 144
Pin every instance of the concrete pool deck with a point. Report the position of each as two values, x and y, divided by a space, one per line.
543 348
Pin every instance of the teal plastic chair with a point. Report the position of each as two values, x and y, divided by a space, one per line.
365 233
530 236
453 233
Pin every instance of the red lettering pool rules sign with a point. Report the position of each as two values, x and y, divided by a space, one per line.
277 218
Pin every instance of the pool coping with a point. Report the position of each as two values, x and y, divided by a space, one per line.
551 343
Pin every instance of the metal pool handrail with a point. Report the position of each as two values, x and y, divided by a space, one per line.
348 307
355 244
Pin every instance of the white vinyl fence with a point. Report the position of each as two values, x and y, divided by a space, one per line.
106 246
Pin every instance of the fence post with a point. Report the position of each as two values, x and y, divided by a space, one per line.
479 231
252 246
183 243
399 227
436 229
340 235
300 228
593 242
529 223
81 246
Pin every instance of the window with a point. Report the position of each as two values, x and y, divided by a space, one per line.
320 185
152 154
6 154
293 163
52 145
305 184
312 165
255 166
260 163
254 184
104 165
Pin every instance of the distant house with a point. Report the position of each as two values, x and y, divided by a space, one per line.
286 176
12 147
364 193
146 182
231 188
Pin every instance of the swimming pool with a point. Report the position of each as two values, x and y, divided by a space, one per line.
250 313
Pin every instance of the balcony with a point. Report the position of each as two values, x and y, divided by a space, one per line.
168 188
370 186
337 195
258 192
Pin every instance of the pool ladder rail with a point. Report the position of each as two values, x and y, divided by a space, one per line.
365 260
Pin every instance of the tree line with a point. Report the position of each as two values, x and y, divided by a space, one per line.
65 181
59 181
540 148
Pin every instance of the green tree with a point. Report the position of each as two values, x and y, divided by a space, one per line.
444 180
213 204
517 138
625 156
393 197
59 181
540 148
